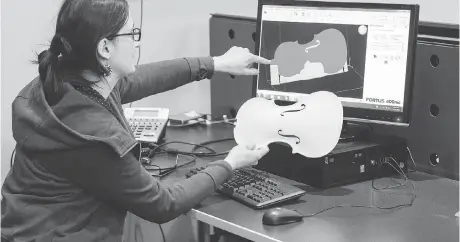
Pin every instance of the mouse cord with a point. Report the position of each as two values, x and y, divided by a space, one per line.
338 206
401 172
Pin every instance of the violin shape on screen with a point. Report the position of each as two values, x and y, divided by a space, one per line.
311 126
325 55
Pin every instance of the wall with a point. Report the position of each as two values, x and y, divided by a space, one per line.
177 28
24 30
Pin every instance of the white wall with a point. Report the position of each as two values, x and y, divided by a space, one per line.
171 29
26 25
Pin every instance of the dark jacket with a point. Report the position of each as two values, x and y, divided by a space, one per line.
75 175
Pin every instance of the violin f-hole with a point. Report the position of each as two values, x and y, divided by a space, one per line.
289 136
303 107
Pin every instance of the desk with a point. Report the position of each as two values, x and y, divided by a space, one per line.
430 218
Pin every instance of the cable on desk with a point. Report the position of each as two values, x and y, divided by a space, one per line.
153 167
211 142
398 184
158 149
401 172
407 147
155 147
193 152
411 157
163 171
389 187
162 233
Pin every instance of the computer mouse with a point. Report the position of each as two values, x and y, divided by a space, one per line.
278 216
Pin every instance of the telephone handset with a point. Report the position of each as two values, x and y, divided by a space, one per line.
147 124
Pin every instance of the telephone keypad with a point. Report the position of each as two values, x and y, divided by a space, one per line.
145 127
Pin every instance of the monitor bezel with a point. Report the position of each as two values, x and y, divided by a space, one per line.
352 113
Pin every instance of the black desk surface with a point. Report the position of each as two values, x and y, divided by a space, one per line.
430 218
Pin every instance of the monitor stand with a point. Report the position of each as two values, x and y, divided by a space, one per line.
352 131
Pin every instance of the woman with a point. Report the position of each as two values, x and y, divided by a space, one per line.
75 175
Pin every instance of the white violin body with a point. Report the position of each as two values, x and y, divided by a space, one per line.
311 126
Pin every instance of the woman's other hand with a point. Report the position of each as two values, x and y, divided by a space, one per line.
241 156
238 61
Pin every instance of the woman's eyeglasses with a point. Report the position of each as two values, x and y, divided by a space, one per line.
136 34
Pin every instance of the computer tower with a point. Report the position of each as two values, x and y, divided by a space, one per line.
350 162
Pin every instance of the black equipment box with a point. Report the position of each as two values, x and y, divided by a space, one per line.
349 162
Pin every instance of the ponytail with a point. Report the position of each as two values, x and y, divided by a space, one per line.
49 66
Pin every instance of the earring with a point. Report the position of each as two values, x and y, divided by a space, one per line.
107 70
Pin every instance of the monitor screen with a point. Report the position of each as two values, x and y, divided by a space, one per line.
361 52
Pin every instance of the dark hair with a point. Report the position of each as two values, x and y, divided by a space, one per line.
81 24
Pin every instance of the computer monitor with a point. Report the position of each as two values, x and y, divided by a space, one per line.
362 52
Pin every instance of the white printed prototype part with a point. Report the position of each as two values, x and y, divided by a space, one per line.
312 126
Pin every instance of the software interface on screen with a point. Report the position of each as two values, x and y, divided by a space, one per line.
360 55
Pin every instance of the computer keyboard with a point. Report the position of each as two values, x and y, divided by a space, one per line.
255 188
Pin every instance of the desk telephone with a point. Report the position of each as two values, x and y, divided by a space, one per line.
147 124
